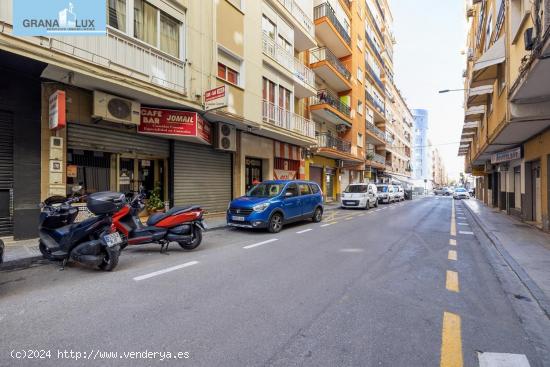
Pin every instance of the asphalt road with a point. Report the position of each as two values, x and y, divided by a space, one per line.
362 288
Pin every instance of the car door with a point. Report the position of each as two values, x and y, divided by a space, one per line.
372 194
307 199
292 205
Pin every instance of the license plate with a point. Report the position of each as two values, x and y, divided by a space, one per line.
112 239
236 218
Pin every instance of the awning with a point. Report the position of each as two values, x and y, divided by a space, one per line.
478 96
486 66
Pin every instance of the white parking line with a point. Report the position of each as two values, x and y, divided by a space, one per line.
304 231
377 210
463 224
167 270
260 243
326 225
502 360
465 232
461 217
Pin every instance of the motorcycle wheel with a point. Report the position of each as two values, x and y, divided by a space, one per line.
109 262
46 254
197 239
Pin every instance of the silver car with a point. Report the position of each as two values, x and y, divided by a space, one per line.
360 195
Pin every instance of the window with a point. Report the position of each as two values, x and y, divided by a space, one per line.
304 189
359 42
360 75
293 188
268 90
488 30
145 22
165 36
268 27
284 98
359 107
360 140
285 44
314 188
228 74
169 35
501 75
116 14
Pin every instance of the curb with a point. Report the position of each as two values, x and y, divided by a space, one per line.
20 263
522 275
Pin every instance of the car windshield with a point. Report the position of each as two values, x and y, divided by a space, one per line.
357 189
382 188
460 190
265 190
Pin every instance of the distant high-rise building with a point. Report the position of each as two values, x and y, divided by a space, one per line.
422 161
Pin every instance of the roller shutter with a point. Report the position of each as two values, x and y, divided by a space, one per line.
202 176
6 173
103 139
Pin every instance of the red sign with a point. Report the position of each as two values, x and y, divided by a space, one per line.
215 98
57 119
184 125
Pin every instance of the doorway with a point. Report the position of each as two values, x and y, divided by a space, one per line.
536 190
253 172
142 173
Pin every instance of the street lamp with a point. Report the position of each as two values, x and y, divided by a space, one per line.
450 90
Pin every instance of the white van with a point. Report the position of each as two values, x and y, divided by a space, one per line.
361 195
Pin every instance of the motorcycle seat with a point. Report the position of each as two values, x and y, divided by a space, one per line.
155 218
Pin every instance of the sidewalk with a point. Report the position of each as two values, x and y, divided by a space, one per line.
525 248
23 253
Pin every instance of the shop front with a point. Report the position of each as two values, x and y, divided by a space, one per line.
324 171
289 164
537 180
254 162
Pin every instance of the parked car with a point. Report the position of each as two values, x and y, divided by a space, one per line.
399 193
444 191
386 193
360 195
272 204
461 193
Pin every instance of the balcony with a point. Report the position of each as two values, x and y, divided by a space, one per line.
330 31
374 77
374 48
287 120
304 29
376 160
330 69
375 135
336 148
304 78
326 106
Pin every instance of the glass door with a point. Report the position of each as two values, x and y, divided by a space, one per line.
253 172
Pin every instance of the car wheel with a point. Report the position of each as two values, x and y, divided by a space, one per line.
317 215
367 206
275 223
376 204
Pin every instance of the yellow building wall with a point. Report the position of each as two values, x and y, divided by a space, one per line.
539 148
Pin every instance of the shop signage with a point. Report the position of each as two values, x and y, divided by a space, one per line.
56 112
58 18
181 125
505 156
478 171
215 98
281 174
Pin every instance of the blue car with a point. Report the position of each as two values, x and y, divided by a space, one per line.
272 204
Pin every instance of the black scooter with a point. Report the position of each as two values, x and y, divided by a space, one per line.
92 242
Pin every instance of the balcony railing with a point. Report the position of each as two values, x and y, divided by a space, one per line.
374 76
373 47
298 14
325 140
376 158
376 131
389 139
288 61
326 96
324 54
325 10
288 120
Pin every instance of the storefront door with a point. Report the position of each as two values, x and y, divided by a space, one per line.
141 174
253 172
329 179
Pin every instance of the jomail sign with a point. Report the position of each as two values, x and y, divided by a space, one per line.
181 125
505 156
59 17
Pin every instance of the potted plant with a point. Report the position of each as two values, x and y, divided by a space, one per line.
155 204
370 156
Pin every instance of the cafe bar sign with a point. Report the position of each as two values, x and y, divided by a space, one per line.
175 124
506 156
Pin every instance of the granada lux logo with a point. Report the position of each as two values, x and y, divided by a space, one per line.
66 20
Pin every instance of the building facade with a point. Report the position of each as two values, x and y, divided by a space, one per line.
505 137
439 172
421 163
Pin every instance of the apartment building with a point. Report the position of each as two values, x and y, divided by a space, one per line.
439 172
421 163
399 135
505 137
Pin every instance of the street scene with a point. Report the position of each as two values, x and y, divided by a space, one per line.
275 183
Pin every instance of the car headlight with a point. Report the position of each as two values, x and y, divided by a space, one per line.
260 207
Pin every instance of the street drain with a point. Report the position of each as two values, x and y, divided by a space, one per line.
522 298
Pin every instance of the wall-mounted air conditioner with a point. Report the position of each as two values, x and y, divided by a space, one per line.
115 109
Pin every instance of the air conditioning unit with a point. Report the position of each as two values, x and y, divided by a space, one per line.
115 109
225 137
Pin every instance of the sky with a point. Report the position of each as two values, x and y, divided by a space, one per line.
431 35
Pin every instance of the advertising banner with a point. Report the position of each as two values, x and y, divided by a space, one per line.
183 125
281 174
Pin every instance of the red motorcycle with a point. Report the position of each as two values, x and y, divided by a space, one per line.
183 225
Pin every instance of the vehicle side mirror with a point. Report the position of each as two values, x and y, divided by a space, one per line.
289 194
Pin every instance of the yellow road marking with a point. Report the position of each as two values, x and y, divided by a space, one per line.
453 223
452 255
452 281
452 242
451 341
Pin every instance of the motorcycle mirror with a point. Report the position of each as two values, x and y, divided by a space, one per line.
76 188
